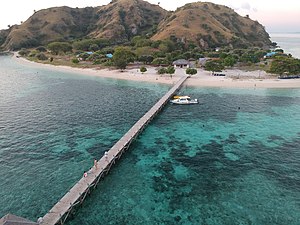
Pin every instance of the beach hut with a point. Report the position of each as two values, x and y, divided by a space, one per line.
181 63
11 219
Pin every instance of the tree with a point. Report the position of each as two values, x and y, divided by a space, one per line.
57 47
90 44
249 57
191 71
146 59
279 50
143 69
214 66
160 61
166 46
281 65
170 70
229 61
139 41
123 56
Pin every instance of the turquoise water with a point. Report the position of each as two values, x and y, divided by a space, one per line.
233 159
53 125
290 42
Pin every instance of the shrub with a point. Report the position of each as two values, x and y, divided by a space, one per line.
214 66
162 70
75 60
229 61
41 49
24 52
143 69
191 71
32 54
41 56
170 70
57 47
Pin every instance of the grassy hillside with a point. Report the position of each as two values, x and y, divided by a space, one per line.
123 19
208 24
53 24
204 24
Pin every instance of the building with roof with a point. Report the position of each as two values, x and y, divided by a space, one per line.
181 63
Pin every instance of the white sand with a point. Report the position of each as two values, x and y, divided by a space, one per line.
234 78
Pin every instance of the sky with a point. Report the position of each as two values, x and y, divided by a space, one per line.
275 15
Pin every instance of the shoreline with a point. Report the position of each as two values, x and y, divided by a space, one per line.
235 78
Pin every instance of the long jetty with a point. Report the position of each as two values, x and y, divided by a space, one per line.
77 194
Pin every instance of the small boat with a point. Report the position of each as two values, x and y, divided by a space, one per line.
184 100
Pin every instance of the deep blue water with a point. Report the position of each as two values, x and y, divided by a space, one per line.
233 159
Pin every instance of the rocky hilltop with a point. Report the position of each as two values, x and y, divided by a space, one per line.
204 24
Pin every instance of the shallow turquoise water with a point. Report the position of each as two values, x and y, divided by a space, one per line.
234 159
209 164
53 125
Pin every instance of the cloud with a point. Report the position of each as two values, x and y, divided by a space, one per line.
246 6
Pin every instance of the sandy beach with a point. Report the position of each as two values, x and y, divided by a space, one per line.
234 78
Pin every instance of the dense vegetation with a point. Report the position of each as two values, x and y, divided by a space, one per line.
284 65
162 53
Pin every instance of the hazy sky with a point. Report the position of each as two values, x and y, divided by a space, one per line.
275 15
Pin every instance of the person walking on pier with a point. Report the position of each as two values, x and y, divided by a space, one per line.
95 164
106 155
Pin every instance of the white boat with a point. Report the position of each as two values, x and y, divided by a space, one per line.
184 100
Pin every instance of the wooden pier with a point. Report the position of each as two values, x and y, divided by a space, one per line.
77 194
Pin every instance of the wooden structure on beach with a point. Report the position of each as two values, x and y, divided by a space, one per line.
77 194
